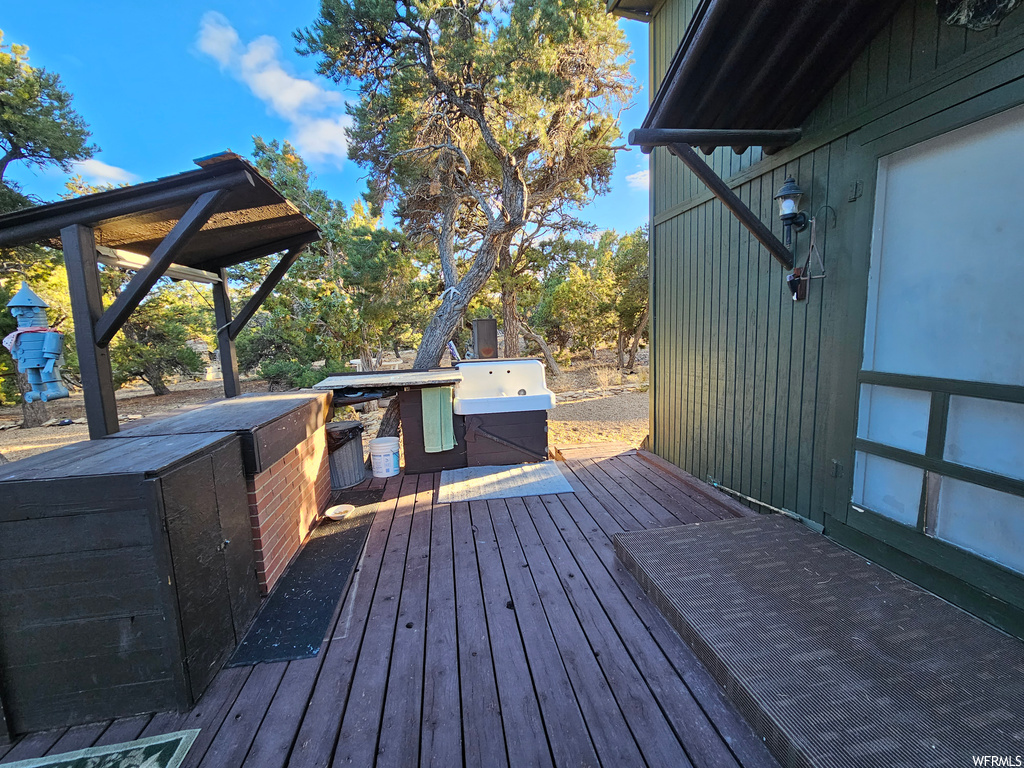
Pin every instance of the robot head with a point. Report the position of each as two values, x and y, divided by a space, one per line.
27 308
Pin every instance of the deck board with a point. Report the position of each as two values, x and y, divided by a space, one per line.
529 645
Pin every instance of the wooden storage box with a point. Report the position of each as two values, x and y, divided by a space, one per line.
126 576
417 460
518 437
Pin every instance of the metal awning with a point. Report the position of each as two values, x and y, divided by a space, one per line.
223 214
762 65
252 220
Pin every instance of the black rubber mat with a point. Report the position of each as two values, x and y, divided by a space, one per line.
834 660
295 616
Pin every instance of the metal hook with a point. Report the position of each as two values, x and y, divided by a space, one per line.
834 217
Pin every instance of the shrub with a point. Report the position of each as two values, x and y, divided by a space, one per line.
289 374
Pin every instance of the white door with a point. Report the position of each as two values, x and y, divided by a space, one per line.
941 416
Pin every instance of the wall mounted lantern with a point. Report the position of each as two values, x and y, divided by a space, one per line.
789 209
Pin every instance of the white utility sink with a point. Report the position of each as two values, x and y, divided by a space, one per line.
501 386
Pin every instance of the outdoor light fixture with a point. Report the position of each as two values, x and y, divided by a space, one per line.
789 209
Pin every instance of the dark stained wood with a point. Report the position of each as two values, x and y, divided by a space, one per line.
33 745
441 737
90 592
517 438
144 279
529 646
270 425
236 532
417 459
399 740
357 742
244 718
520 709
266 287
756 391
731 200
204 603
568 736
124 730
597 665
225 341
78 737
482 734
79 245
319 727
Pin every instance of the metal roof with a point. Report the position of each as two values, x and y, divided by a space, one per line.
253 220
763 64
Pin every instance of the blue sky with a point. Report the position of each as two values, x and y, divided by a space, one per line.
163 83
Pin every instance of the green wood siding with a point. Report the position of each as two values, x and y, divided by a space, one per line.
749 388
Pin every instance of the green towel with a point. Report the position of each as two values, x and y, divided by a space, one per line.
438 427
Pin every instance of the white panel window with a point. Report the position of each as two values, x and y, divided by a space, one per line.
947 262
986 522
986 434
893 416
887 487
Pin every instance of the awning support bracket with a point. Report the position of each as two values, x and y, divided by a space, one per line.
139 286
229 327
676 141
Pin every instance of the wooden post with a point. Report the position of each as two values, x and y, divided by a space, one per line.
86 309
225 342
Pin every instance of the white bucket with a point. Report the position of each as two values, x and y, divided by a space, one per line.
384 456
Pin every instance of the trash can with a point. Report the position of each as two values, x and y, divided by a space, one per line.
345 453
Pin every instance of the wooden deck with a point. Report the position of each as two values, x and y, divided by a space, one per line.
481 634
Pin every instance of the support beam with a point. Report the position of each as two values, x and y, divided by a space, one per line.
86 309
225 341
730 200
132 294
648 138
268 285
251 254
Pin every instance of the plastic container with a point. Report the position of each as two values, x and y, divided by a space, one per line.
384 456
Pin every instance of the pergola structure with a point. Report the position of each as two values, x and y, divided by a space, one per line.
193 226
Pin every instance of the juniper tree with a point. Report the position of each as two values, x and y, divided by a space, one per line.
472 118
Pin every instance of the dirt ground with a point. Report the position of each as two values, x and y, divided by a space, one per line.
595 403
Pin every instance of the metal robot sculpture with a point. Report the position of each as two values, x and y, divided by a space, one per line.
36 347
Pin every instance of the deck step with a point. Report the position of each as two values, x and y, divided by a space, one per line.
833 660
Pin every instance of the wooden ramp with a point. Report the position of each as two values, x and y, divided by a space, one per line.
486 633
837 661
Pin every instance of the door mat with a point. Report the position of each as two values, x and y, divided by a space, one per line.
166 751
295 616
478 483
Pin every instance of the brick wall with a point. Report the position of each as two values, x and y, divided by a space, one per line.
284 502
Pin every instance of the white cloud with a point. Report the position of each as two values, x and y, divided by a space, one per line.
639 180
217 38
323 137
317 122
97 172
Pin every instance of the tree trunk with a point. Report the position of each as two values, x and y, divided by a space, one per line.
156 380
448 316
509 304
636 339
619 348
549 358
32 414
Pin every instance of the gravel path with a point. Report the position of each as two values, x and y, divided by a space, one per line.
588 416
617 417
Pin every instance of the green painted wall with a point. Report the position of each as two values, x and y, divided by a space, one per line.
759 392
